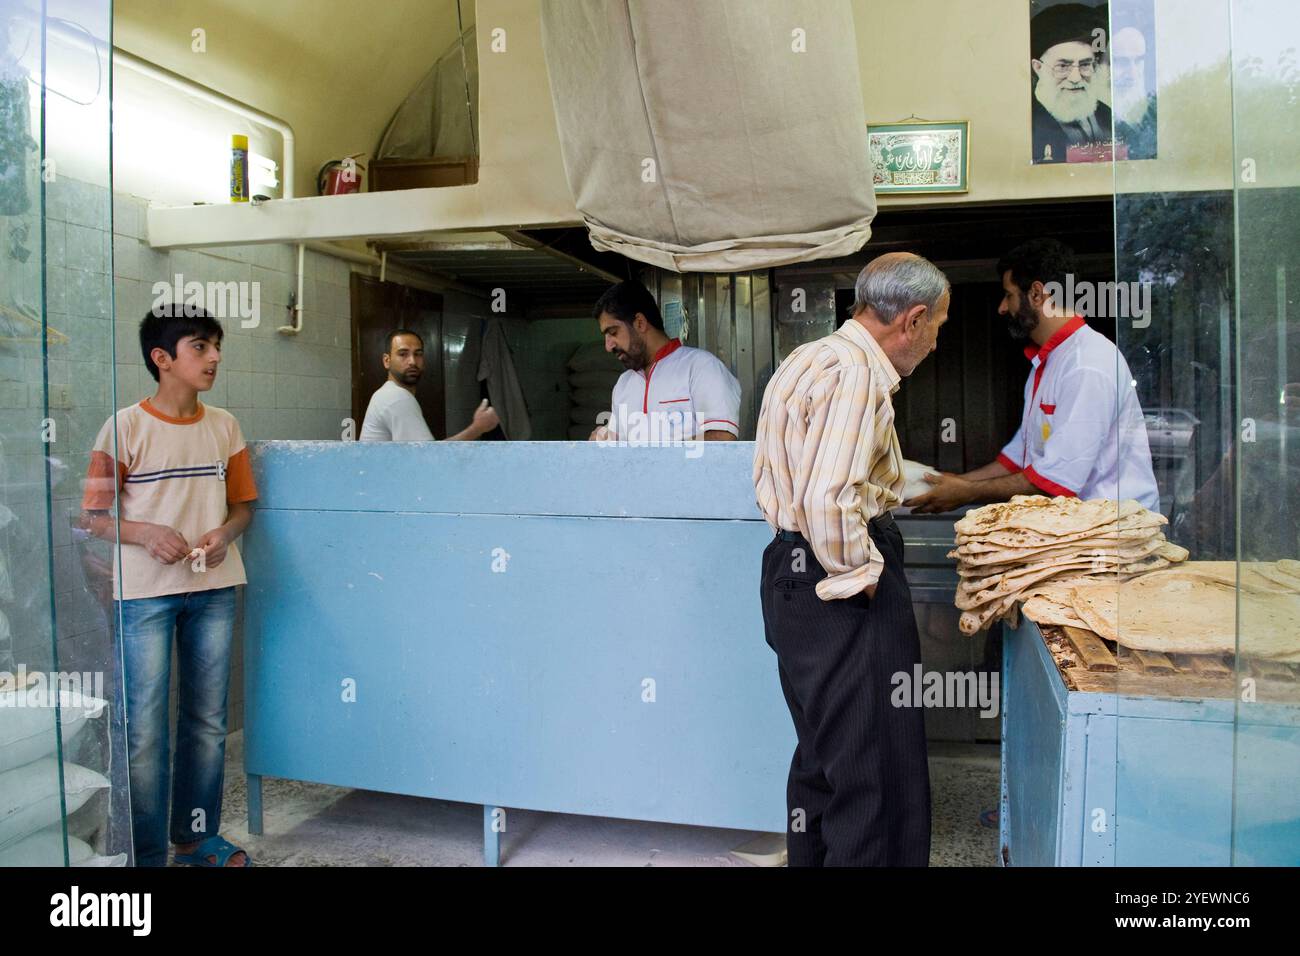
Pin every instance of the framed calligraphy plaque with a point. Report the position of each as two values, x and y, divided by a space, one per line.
920 157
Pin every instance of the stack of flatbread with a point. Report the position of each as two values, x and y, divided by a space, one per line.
1032 546
1201 607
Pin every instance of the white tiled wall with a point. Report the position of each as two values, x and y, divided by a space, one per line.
278 386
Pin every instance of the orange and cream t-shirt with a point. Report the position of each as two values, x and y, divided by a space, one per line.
179 472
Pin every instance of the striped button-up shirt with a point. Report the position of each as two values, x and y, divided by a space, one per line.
826 456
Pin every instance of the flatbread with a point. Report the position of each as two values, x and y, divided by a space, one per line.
1098 608
1046 610
1173 553
1275 574
1187 610
974 593
983 544
1267 576
1263 577
914 483
1012 581
1132 552
1015 551
978 617
1051 516
1137 527
974 580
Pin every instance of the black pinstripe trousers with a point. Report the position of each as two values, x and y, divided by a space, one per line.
859 787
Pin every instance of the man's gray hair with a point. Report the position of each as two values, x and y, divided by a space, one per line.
894 282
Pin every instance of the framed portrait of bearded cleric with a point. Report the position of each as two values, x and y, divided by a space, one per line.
1092 74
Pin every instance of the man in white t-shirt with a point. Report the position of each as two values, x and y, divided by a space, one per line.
670 392
1082 433
394 414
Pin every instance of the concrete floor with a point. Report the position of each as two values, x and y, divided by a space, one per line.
309 824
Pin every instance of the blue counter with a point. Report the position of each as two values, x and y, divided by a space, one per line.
1137 779
551 626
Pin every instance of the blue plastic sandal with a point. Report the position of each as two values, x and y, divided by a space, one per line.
215 846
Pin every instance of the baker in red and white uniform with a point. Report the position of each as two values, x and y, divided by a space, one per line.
670 392
1082 433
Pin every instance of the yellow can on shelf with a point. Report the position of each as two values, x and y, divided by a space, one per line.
239 168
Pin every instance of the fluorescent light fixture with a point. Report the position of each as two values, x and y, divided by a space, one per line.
262 172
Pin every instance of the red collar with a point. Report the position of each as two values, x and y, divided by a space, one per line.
672 345
1063 333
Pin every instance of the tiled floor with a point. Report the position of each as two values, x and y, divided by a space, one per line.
315 825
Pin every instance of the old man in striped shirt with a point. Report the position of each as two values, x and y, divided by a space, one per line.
836 607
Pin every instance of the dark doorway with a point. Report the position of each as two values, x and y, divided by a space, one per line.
377 309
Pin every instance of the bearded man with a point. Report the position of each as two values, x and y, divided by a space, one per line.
1070 75
670 391
1082 434
1135 104
394 412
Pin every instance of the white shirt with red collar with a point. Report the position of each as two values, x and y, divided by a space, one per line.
682 394
1082 433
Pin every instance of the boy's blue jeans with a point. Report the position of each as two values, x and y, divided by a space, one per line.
202 622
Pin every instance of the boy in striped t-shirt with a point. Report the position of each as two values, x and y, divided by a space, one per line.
180 475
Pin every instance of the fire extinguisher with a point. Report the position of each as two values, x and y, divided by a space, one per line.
340 176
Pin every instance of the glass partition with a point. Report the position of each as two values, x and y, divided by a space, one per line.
1206 732
1266 241
63 771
